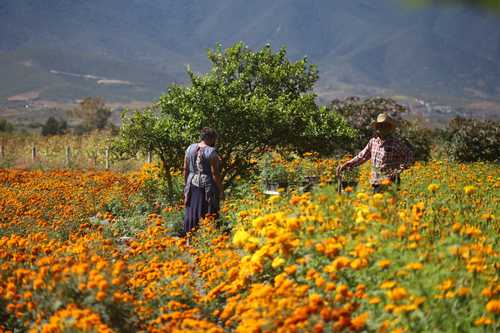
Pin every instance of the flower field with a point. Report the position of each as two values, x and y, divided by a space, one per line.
78 255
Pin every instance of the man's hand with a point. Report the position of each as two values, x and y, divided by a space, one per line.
341 168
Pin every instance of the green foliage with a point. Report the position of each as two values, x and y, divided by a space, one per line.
54 127
159 133
490 5
273 173
419 138
254 100
469 140
361 113
5 126
93 112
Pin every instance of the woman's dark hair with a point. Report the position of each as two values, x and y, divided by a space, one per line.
208 134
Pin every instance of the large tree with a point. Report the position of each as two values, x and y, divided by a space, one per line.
253 99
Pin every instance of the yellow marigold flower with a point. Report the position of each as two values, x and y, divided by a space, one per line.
418 210
362 196
388 285
319 282
446 285
470 189
389 308
493 306
240 237
315 298
416 266
488 217
278 262
292 223
374 300
340 263
405 308
433 187
359 263
342 289
273 199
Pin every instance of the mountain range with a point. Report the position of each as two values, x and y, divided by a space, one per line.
130 50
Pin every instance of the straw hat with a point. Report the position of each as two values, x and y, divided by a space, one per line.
384 118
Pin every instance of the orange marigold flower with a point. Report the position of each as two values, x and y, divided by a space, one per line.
384 263
483 321
359 321
397 294
100 296
493 306
291 269
416 266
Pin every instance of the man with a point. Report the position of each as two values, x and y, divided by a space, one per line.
388 154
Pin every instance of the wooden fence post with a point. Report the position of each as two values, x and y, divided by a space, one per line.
2 152
149 157
106 157
68 156
33 153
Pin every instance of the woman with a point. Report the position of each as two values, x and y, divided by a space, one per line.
203 186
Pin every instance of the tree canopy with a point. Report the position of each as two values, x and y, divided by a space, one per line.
490 5
253 99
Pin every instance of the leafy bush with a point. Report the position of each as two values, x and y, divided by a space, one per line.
273 173
419 138
360 113
469 140
94 113
54 127
5 126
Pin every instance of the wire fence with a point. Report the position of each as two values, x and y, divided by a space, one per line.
66 152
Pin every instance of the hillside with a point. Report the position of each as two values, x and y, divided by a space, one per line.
130 50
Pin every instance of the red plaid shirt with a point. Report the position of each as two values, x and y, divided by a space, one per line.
389 157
